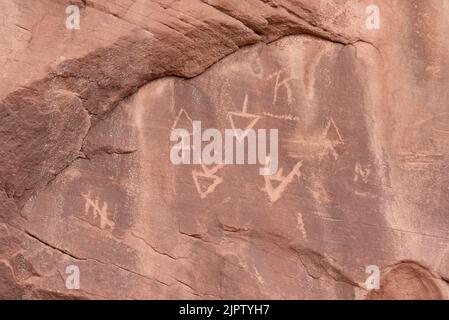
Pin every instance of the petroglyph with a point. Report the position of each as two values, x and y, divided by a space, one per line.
289 117
275 193
257 65
258 276
182 115
281 83
361 173
245 104
331 138
101 212
184 121
243 114
300 225
316 146
209 175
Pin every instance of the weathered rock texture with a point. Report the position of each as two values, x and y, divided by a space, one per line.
86 177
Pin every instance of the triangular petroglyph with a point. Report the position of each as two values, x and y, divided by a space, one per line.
207 181
183 116
275 192
332 138
253 119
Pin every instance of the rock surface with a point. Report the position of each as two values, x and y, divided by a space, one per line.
85 171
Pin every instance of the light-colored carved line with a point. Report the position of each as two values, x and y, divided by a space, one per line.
181 111
275 194
217 180
280 84
102 212
289 117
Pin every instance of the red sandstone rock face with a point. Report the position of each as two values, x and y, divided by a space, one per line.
85 171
